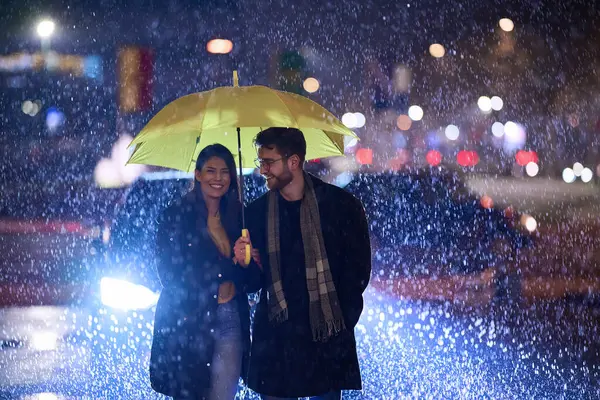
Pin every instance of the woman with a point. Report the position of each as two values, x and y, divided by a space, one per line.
201 333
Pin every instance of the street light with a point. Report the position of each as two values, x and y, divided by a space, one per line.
45 29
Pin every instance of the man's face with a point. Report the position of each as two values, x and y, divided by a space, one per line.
274 167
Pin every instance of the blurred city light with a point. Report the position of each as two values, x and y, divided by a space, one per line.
568 175
45 28
532 169
529 222
31 108
349 119
506 24
514 136
467 158
311 85
498 129
44 341
485 104
487 201
415 113
54 119
437 50
434 158
219 46
497 103
452 132
404 122
360 120
364 156
577 169
587 175
525 157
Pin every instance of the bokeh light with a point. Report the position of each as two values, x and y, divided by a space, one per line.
485 104
532 169
311 85
487 201
404 122
452 132
219 46
434 158
506 24
349 119
586 175
568 175
497 103
415 113
577 168
437 50
498 129
360 120
45 28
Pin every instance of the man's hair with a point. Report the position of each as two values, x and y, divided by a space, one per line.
287 141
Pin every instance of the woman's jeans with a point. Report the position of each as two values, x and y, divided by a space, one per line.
226 365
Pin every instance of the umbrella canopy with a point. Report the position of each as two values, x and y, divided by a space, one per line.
176 134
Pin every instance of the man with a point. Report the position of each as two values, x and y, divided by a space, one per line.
313 243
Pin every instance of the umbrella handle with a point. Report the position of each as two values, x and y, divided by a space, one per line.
248 253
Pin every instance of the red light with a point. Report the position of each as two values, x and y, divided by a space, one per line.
434 157
525 157
364 156
467 158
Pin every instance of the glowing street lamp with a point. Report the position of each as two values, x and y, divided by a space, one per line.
45 29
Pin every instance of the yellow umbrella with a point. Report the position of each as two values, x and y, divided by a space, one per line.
175 135
233 116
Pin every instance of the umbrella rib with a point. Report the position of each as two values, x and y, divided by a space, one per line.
288 109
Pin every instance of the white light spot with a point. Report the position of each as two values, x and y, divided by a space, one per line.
532 169
586 175
485 104
568 175
452 132
497 103
415 113
577 169
506 24
360 120
349 119
498 129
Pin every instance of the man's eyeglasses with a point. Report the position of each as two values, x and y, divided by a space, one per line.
266 163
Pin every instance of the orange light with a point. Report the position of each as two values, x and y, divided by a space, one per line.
404 122
219 46
364 156
434 157
487 202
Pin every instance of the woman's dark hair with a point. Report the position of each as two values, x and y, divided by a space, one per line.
230 203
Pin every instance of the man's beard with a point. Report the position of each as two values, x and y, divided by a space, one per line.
281 181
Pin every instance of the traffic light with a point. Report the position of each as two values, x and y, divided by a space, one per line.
135 79
292 71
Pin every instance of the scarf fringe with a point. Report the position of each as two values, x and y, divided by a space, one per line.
280 316
328 329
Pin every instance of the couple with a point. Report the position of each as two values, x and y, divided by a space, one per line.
311 259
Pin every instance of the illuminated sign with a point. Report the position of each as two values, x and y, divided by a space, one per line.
87 66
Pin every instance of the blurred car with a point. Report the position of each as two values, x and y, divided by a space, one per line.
43 312
434 240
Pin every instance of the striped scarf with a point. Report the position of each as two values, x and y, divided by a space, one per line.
326 317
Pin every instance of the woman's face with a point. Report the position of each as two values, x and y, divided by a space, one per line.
214 178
